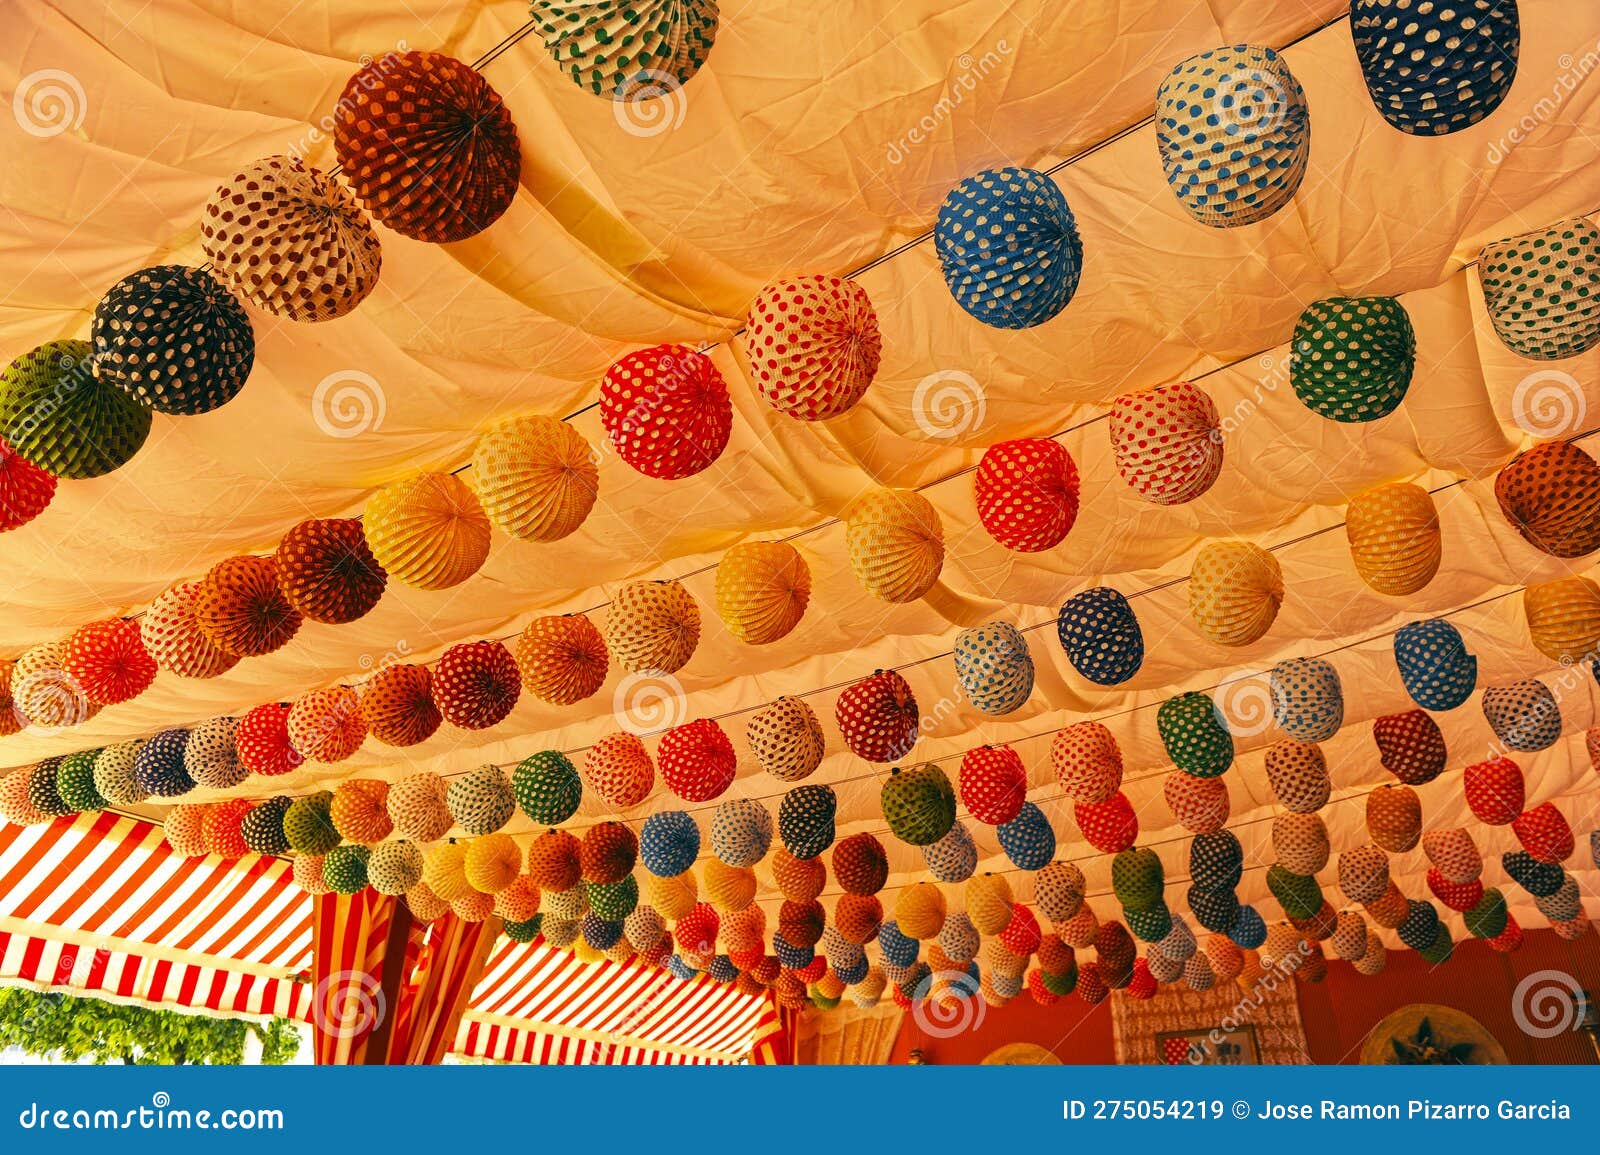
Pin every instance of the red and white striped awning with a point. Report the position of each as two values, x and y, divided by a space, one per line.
98 904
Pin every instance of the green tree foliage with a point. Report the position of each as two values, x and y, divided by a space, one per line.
66 1028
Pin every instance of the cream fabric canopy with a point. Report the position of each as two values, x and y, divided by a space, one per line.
817 138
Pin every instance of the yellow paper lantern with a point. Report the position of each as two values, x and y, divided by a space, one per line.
896 543
492 862
730 888
653 626
672 897
762 590
1393 532
563 658
425 906
444 869
990 904
427 531
1235 590
359 811
1564 618
919 912
536 476
184 828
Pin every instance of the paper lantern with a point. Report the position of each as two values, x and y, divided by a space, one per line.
444 870
1087 762
174 339
241 610
1524 715
741 832
1393 532
697 760
43 694
993 784
643 927
1137 878
536 477
1539 879
801 923
953 857
1179 944
359 810
547 787
1058 890
476 684
1234 134
308 823
1167 442
919 912
1081 929
858 917
1027 493
1434 664
628 52
1107 826
1200 805
1542 290
25 489
326 725
608 852
745 930
416 806
344 869
327 572
493 863
1298 774
1453 854
394 867
74 782
993 668
958 938
1563 618
895 541
398 707
427 530
1216 860
666 411
1373 958
619 770
1307 699
1116 950
1151 925
114 777
1216 910
262 828
1197 973
763 588
427 146
1101 636
1300 842
697 929
1494 790
108 661
553 863
1550 494
1021 936
290 239
563 658
518 901
1092 988
211 755
482 801
653 627
1235 589
1564 905
1028 840
1410 746
61 416
1488 918
878 717
805 820
612 901
1195 735
1461 896
1420 926
811 344
173 637
1544 833
425 906
1250 931
184 830
990 904
786 739
1390 909
1394 818
159 768
1351 359
1008 246
798 878
1433 69
919 804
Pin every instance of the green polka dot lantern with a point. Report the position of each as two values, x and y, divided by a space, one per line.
1351 358
57 414
547 787
308 824
75 782
1195 735
344 868
1542 290
919 804
1137 878
630 50
394 867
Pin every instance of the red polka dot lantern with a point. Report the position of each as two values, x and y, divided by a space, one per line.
1087 762
697 930
221 827
326 725
812 345
25 489
1021 935
799 879
666 411
619 770
263 741
1199 804
428 146
1550 494
397 704
1544 833
563 658
993 784
1110 826
108 661
326 571
173 637
1027 493
607 853
860 864
476 684
653 627
1494 790
697 760
1167 442
878 717
240 608
1410 746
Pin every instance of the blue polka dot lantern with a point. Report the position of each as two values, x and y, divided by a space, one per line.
791 957
954 857
1435 667
159 769
1438 67
805 820
721 969
1524 715
853 972
601 933
994 668
1307 700
669 842
1216 910
1028 839
681 969
1009 248
896 949
1234 134
1101 636
741 832
1250 929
